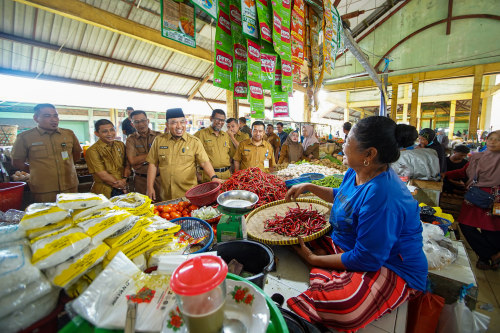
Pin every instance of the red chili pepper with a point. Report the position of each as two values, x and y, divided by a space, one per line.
296 222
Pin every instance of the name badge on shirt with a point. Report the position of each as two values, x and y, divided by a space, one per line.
37 144
163 147
266 163
64 155
139 146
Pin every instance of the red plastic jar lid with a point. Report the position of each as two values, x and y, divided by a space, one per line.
198 275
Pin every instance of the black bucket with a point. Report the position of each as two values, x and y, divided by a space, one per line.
255 257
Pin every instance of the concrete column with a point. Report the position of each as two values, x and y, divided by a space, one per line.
405 106
394 101
307 108
419 116
476 98
453 108
232 105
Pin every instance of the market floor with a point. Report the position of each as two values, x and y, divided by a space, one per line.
488 283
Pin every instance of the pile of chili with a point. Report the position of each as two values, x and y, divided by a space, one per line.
296 222
269 188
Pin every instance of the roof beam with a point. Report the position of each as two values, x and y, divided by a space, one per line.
199 86
457 72
80 11
93 56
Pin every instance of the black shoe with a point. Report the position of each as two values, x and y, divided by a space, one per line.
483 265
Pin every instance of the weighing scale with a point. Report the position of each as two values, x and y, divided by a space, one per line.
234 205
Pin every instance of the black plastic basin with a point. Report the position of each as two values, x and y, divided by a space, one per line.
255 257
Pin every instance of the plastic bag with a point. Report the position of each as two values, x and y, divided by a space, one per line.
34 233
58 247
83 213
458 318
30 314
41 214
105 223
140 262
77 288
423 313
16 270
438 249
11 233
249 18
12 216
104 303
69 271
134 203
79 200
23 297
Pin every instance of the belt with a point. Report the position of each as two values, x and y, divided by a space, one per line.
222 169
144 175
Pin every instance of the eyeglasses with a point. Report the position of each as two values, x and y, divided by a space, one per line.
140 121
219 120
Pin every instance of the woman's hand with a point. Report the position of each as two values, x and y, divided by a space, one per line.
295 191
304 252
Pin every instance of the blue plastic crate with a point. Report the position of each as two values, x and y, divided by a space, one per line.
295 181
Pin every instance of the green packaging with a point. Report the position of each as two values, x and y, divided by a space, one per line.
255 91
223 64
265 15
268 60
239 75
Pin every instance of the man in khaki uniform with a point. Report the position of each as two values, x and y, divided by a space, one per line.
255 152
235 135
244 127
217 144
138 146
176 155
107 162
274 140
48 153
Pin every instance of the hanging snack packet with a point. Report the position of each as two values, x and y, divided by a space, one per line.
41 214
265 13
277 75
327 35
239 75
71 270
268 66
296 73
58 247
286 73
298 32
249 18
280 103
285 13
276 7
223 66
255 92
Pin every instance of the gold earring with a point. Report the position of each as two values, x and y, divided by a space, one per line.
366 163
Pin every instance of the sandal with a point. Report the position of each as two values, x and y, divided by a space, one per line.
483 265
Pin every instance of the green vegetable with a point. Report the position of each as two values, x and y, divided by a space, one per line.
332 159
330 181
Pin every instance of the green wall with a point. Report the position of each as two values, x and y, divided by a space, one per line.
81 129
470 39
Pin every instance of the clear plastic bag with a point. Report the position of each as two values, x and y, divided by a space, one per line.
104 303
438 249
23 297
16 270
12 216
11 233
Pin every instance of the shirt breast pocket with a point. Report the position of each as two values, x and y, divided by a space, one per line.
209 146
186 158
39 151
140 149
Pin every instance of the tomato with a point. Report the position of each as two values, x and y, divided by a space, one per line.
160 208
166 216
167 209
176 207
175 215
186 215
185 211
193 207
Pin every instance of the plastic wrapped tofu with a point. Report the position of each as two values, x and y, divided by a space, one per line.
104 303
34 233
30 314
72 269
53 249
21 298
135 203
83 213
16 270
10 233
105 223
79 200
41 214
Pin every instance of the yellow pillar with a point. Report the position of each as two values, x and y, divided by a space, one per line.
232 105
476 98
419 116
453 108
346 109
112 116
484 102
307 108
394 101
405 106
414 100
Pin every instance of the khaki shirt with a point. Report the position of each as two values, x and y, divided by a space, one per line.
217 147
103 157
137 145
249 155
240 136
177 161
50 155
274 140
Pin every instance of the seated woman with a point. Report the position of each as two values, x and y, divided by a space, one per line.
373 259
457 160
414 163
292 150
427 139
310 143
480 227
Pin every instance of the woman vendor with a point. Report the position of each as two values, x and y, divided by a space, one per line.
310 143
292 150
427 139
480 227
373 259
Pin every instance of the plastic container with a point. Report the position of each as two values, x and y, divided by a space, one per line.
196 228
256 258
295 181
204 194
443 223
313 176
199 285
11 195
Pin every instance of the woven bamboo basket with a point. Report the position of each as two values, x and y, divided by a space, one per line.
8 134
255 221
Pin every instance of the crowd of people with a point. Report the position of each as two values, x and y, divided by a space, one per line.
162 165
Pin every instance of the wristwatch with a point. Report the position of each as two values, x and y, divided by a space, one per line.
214 176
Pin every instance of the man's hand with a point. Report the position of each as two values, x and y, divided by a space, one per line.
151 193
218 180
120 184
295 191
231 134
